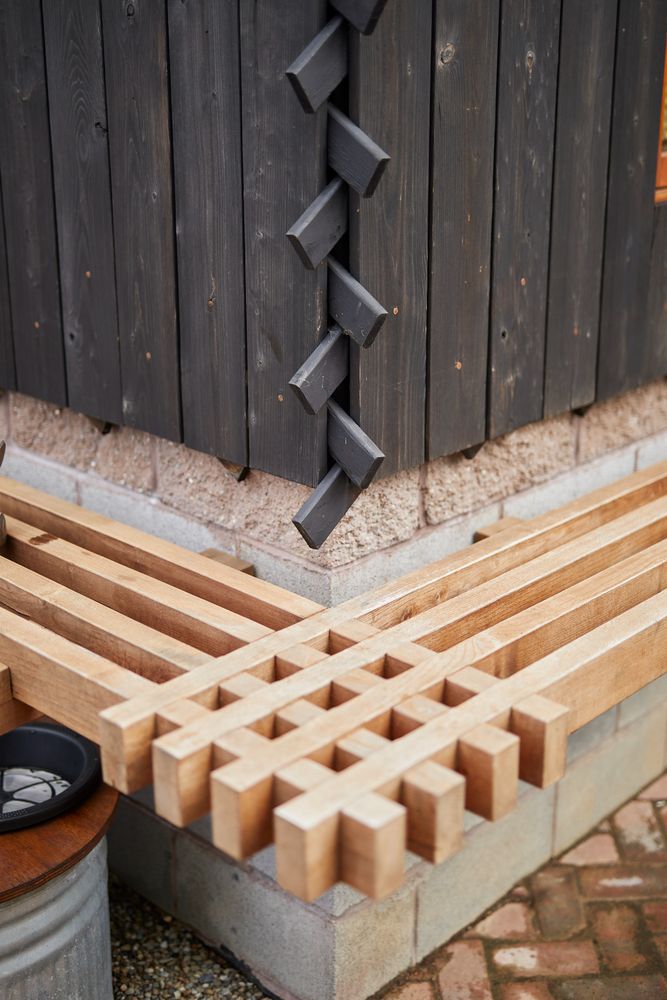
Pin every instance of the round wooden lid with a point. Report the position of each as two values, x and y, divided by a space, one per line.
37 854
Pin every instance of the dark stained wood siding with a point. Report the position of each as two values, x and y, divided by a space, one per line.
77 109
284 160
527 74
389 238
206 107
27 192
465 57
507 263
585 85
626 356
137 86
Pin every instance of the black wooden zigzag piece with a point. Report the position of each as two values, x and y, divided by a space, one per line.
325 506
351 305
323 371
323 223
363 14
318 70
358 456
354 155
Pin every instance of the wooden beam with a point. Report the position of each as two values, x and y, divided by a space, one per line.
358 456
355 157
321 374
362 14
319 228
322 65
350 304
325 506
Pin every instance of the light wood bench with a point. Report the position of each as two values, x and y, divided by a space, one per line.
342 734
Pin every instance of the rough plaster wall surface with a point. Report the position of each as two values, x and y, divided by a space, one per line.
396 525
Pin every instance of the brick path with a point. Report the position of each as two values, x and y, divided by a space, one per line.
590 926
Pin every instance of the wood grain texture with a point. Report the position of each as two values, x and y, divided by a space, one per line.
625 355
527 67
354 155
465 55
389 81
362 14
205 99
360 314
78 116
135 60
322 65
321 374
359 457
7 369
27 192
284 159
34 856
583 118
320 227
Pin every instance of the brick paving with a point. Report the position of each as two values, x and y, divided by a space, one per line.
590 925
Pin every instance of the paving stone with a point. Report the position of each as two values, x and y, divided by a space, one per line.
623 882
639 834
464 975
526 991
655 915
511 921
556 897
617 988
548 958
600 849
616 931
656 790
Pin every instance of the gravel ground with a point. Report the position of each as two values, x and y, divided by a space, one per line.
157 958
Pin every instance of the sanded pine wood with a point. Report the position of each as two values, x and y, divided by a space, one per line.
13 713
103 630
496 526
60 678
589 675
129 728
159 605
602 597
256 599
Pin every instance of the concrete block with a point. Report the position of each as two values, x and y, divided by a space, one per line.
591 735
125 456
599 781
521 459
623 419
653 450
288 945
649 698
425 546
52 431
41 473
570 485
147 514
493 858
141 852
279 567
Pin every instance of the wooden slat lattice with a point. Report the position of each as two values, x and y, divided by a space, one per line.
344 735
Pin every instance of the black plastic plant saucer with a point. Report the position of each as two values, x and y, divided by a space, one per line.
45 770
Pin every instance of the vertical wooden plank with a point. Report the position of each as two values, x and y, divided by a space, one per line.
657 303
390 85
27 191
206 101
583 117
527 76
77 110
135 59
625 355
7 370
284 160
465 63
